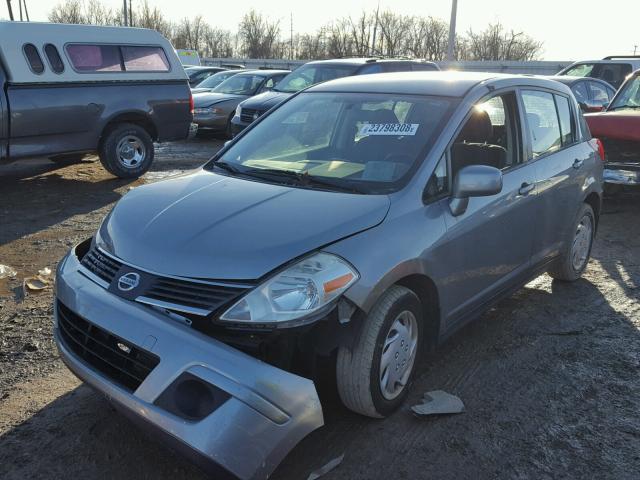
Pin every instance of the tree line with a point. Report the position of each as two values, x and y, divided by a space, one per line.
370 34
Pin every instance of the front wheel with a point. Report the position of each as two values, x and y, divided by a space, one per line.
127 151
575 255
374 375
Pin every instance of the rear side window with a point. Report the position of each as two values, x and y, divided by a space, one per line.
55 62
423 67
95 58
145 59
566 121
581 93
599 93
33 58
542 121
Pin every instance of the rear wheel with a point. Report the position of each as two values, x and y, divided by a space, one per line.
375 374
575 256
127 151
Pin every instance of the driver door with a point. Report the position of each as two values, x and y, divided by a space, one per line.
488 247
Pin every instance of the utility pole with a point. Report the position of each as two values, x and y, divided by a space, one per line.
10 10
125 12
452 30
130 15
20 5
635 48
375 31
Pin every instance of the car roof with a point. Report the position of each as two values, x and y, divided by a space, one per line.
446 84
357 61
265 73
204 67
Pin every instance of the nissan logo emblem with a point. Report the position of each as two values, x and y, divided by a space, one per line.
128 281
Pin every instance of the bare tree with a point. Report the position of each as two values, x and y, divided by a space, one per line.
394 31
361 30
218 43
495 43
258 35
81 12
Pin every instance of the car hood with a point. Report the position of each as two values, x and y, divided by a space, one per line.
200 90
210 98
616 124
265 101
205 225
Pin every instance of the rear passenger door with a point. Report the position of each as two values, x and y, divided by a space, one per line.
559 156
488 247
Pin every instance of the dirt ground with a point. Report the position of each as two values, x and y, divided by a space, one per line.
550 377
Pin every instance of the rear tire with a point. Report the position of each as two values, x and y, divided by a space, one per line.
374 376
575 255
127 151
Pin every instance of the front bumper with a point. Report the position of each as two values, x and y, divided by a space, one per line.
237 125
213 122
268 410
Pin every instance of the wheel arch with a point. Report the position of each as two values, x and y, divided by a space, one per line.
427 292
595 202
135 117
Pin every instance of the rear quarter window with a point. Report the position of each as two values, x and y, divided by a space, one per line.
55 62
33 58
94 58
145 59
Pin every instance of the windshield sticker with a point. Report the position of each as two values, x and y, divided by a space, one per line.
389 129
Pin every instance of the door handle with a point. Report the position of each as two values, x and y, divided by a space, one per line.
525 188
577 163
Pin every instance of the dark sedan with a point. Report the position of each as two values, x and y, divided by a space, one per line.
198 74
214 110
592 94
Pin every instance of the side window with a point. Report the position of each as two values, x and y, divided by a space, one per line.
423 67
33 58
95 58
145 59
367 69
542 121
580 92
566 120
397 67
490 136
599 95
438 183
268 85
55 62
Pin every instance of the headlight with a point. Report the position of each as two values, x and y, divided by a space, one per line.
295 293
102 237
238 111
207 111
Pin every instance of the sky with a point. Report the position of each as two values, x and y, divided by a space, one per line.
570 29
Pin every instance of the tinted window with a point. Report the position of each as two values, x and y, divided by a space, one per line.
55 62
33 58
542 121
438 184
566 123
581 93
599 94
423 67
629 95
144 59
308 75
398 67
367 69
95 58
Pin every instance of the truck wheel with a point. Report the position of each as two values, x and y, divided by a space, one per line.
374 375
575 255
127 151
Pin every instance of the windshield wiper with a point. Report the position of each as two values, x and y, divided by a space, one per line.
304 179
227 167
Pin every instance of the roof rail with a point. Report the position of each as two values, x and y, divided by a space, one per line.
611 57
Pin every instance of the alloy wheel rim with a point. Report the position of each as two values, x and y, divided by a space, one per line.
398 355
582 243
131 151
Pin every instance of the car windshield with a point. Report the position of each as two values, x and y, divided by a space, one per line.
582 70
629 95
364 143
308 75
241 84
216 79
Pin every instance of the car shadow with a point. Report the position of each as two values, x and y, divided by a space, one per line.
544 369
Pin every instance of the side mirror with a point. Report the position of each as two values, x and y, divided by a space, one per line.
474 181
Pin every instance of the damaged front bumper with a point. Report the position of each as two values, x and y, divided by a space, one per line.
231 413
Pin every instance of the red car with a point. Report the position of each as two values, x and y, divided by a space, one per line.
618 126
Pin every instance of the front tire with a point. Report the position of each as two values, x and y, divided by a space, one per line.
575 255
127 151
374 375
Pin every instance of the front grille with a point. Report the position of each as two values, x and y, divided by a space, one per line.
246 115
100 265
199 297
186 293
119 360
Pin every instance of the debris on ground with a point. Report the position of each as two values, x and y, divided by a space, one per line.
438 402
39 282
6 271
330 465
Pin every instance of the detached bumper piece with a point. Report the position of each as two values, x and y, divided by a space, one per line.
230 413
622 173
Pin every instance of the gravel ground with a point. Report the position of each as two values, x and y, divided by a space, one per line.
550 377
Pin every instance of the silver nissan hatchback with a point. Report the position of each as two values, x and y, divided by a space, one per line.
355 226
